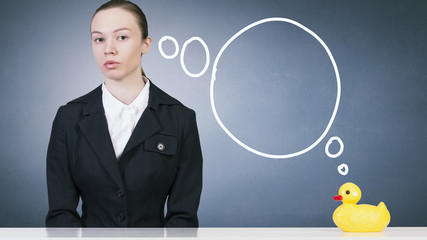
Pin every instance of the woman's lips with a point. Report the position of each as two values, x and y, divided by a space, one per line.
111 64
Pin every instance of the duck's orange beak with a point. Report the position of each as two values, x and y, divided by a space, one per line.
338 198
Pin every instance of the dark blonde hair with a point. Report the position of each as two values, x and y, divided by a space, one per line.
132 8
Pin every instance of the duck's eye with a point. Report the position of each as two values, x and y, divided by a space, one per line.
347 192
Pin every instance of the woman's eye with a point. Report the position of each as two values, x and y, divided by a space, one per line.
123 38
98 40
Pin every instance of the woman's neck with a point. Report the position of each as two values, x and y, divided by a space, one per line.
127 89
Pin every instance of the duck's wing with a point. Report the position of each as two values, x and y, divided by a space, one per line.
365 216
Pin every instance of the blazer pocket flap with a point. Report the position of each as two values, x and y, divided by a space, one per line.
164 144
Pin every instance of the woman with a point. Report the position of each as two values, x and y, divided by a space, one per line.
127 147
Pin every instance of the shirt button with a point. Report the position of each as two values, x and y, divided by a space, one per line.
120 193
161 146
121 217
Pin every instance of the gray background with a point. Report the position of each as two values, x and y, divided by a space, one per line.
275 91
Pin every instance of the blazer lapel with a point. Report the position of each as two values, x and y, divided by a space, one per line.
148 123
146 127
94 127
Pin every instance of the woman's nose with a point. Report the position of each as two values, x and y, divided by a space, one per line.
110 48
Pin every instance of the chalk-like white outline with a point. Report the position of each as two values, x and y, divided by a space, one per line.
345 172
214 69
207 57
164 38
328 144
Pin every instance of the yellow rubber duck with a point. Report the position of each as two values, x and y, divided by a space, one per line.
351 217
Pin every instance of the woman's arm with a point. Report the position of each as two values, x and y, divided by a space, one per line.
184 196
62 192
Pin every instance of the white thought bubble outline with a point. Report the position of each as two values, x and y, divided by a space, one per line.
207 57
343 172
213 79
160 45
328 144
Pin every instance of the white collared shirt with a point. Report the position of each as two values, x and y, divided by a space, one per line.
122 118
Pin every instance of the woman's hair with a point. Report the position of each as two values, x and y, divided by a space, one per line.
132 8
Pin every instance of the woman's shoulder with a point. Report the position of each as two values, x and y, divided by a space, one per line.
88 97
77 106
159 98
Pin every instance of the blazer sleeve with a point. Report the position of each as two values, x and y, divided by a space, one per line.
62 192
184 196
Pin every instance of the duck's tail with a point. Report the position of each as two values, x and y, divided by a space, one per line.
381 205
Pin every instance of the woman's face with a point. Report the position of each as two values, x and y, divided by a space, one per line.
117 43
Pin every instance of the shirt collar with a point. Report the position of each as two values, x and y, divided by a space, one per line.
113 106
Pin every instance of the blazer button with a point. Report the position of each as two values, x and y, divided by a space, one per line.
161 146
120 193
121 217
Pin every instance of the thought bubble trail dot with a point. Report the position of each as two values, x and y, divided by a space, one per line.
343 169
164 38
213 79
329 144
207 57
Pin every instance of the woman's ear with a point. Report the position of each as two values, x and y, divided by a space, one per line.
146 43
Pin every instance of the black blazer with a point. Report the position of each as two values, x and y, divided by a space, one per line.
161 162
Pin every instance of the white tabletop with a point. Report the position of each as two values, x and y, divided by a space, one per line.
207 233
